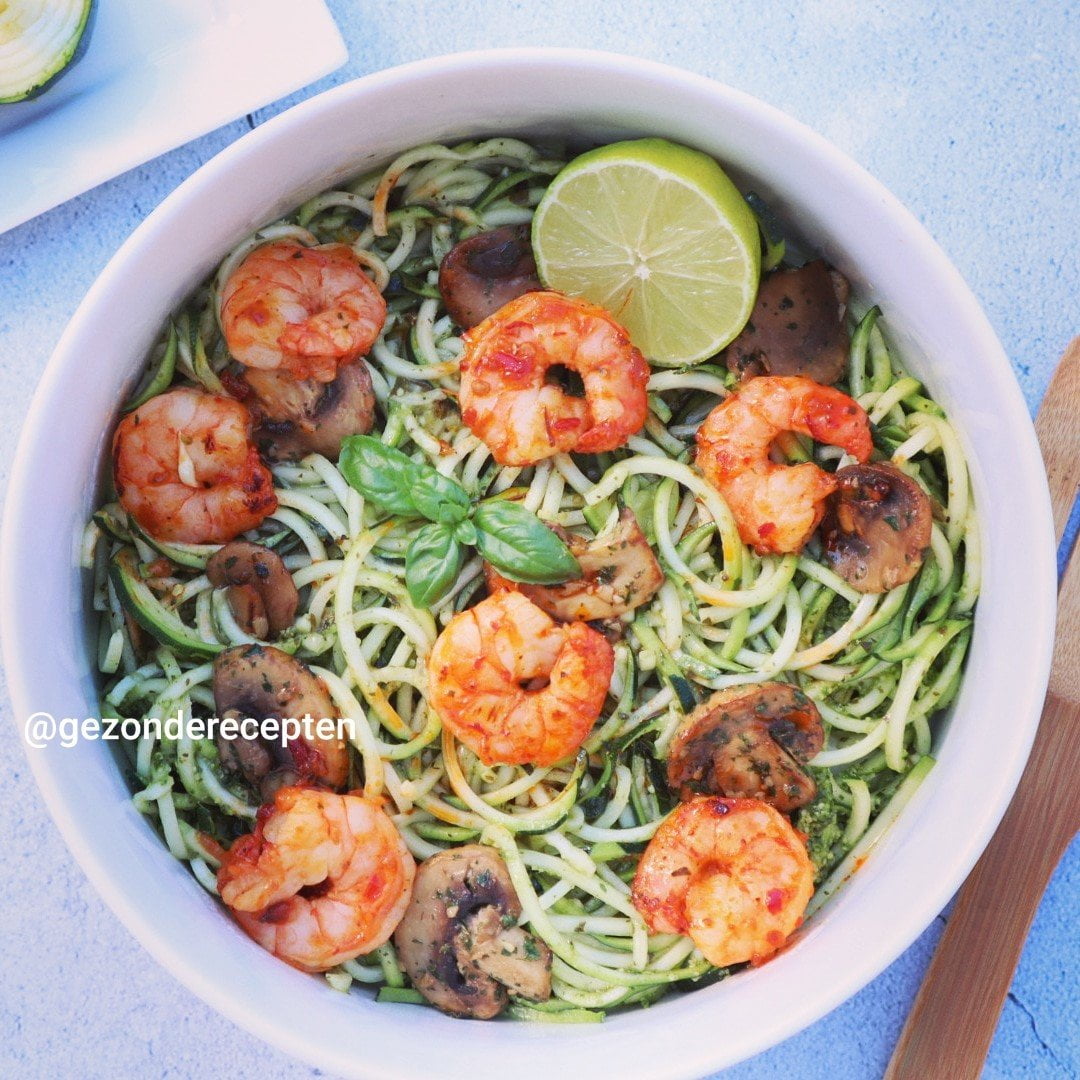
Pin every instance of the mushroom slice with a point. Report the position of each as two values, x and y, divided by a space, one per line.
264 683
796 327
255 760
297 417
250 757
261 592
619 572
748 742
876 527
506 953
459 941
479 275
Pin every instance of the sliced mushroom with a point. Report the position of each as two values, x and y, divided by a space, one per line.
619 572
751 742
876 527
256 761
250 757
459 941
261 592
261 682
296 417
796 327
480 274
507 954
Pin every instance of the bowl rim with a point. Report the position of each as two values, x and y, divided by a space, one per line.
79 835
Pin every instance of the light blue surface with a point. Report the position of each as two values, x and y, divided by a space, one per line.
967 111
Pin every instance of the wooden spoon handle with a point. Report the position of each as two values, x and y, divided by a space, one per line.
1059 434
952 1023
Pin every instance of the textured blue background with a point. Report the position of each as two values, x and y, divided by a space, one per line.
967 111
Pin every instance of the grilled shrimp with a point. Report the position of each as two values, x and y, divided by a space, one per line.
186 469
516 687
304 310
508 402
777 507
731 873
323 878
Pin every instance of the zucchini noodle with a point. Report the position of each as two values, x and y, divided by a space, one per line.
879 667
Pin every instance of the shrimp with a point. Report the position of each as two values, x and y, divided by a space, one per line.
300 309
777 507
186 468
507 401
516 687
731 873
323 878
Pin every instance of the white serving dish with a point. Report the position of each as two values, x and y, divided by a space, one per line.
840 209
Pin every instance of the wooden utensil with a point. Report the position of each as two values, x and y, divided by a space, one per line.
948 1032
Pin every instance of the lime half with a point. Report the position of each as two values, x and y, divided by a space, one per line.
658 235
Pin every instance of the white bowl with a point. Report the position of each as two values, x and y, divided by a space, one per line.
860 227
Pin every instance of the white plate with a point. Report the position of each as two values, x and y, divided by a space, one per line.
156 74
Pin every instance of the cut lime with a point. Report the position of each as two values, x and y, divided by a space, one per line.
658 235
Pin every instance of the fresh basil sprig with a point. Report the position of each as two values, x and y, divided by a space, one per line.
380 473
432 562
438 498
520 546
510 537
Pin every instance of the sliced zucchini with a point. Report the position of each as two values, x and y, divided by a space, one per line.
498 188
193 556
204 372
39 41
112 521
448 834
607 851
669 670
138 600
158 376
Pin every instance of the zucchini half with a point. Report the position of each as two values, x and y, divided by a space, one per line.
164 625
39 41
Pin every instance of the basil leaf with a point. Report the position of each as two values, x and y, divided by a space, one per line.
431 563
520 546
465 533
380 473
439 498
